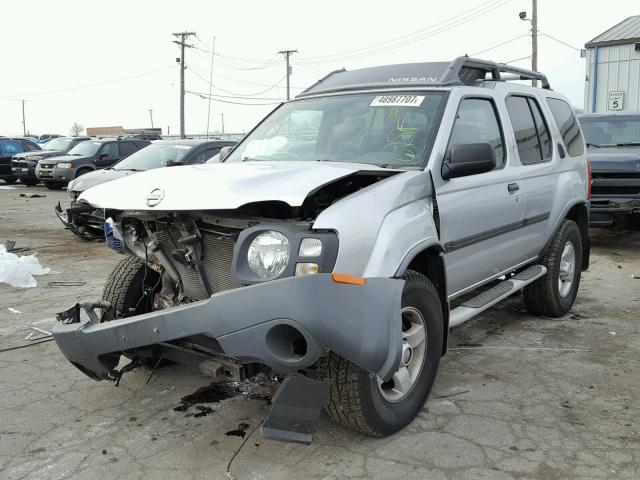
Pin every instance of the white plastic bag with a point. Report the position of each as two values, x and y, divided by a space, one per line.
19 271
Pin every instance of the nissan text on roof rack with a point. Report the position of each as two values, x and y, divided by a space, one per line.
338 243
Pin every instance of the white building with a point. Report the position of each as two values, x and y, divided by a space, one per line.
613 69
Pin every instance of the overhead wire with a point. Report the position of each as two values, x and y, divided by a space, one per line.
505 42
414 37
90 85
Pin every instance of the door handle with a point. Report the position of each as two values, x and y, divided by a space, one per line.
513 187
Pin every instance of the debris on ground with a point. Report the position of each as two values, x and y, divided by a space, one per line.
19 271
635 276
203 411
241 431
13 310
66 284
10 246
32 195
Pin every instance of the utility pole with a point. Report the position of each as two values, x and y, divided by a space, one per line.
287 54
24 125
534 36
222 118
151 116
182 42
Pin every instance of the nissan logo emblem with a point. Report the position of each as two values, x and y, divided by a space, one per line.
154 197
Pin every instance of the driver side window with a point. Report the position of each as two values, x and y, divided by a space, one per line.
477 122
110 150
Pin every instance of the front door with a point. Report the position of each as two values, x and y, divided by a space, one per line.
480 215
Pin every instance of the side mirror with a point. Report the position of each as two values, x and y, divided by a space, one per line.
469 159
173 163
103 155
224 153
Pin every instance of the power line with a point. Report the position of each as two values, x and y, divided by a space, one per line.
416 36
89 85
559 41
239 95
205 97
500 44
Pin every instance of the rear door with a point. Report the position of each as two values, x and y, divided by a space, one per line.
538 169
480 215
108 155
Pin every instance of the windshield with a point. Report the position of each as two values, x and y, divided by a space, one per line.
385 130
154 156
611 131
85 148
60 144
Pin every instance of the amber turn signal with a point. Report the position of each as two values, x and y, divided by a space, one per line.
346 278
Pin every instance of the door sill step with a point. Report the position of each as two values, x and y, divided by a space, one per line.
478 304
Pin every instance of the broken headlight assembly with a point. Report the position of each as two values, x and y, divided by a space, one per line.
268 252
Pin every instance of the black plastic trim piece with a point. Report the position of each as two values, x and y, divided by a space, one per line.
494 232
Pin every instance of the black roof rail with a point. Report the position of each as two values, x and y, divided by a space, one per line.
460 71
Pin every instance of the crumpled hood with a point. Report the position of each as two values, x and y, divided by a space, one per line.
615 159
218 186
96 177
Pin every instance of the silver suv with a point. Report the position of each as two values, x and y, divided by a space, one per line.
345 236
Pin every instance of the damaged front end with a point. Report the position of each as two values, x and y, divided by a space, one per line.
211 303
81 218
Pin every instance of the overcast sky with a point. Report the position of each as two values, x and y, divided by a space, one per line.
102 64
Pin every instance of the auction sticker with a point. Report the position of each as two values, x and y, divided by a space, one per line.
397 101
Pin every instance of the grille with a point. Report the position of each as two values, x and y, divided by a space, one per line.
217 256
18 164
47 165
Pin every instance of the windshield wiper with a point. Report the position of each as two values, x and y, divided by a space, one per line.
592 145
628 144
128 169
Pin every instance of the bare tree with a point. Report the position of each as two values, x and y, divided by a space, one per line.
76 129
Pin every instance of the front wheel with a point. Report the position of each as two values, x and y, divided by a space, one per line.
29 182
377 408
553 294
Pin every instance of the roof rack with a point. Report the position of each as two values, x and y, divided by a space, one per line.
460 71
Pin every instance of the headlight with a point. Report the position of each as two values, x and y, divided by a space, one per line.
64 165
268 254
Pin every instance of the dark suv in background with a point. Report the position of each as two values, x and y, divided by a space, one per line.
10 146
56 172
24 164
613 140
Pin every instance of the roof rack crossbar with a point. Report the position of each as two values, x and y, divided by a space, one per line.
497 69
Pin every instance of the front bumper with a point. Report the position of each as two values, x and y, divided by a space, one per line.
54 174
23 169
84 220
605 208
256 324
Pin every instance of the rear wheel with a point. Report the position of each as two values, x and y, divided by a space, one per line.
30 182
553 294
54 185
379 408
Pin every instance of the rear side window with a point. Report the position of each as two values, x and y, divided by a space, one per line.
30 147
530 129
127 148
568 126
477 122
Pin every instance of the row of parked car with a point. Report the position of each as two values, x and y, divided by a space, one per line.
82 162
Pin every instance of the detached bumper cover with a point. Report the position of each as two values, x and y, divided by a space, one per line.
360 323
82 220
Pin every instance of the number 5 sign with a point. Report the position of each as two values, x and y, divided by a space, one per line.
616 100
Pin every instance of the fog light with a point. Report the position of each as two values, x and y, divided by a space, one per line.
306 269
310 247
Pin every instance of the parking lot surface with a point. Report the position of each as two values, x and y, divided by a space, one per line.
517 396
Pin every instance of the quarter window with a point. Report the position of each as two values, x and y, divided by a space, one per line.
477 122
568 126
530 129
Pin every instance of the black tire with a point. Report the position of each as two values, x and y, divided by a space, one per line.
29 182
543 296
125 288
10 180
82 171
54 185
355 399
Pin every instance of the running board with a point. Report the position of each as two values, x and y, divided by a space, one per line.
476 305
